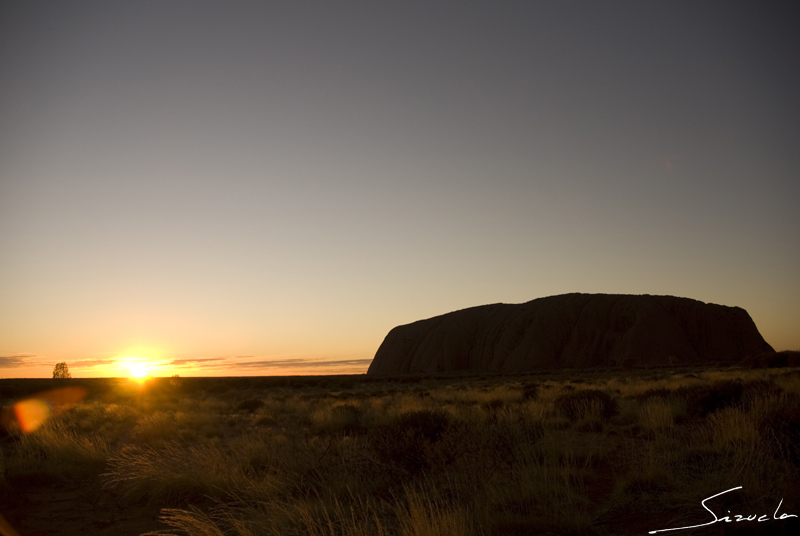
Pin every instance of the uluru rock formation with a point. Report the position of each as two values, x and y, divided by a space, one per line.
571 330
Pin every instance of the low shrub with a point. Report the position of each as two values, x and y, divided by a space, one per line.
266 420
218 388
786 358
704 399
53 453
173 473
661 392
250 405
590 425
410 379
781 429
346 419
656 413
588 403
157 426
759 390
695 462
406 441
492 405
530 391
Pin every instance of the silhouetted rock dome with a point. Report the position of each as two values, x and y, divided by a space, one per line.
571 330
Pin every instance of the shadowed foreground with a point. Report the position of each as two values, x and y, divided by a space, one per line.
603 452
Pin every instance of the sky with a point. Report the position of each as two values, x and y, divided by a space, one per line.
262 188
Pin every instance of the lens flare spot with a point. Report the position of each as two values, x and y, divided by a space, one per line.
31 414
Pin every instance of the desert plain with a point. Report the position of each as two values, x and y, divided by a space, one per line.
601 451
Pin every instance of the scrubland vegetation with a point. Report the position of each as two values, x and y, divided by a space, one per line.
598 452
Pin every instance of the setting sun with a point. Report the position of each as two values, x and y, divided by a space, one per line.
138 370
139 363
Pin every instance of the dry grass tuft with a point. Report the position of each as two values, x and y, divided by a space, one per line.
55 453
174 472
423 516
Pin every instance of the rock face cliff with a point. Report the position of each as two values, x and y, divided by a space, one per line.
571 330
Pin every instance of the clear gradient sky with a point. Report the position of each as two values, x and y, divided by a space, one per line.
258 188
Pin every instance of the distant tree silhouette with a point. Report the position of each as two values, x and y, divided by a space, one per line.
61 371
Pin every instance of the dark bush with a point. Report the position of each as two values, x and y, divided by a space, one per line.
751 361
591 426
774 360
344 383
492 405
347 420
266 421
700 461
786 358
218 387
428 424
580 404
407 441
530 391
412 378
782 430
760 387
702 400
301 382
250 405
661 392
755 389
242 384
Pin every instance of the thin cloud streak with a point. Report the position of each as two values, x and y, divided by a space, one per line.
14 361
266 367
303 363
33 360
181 362
92 363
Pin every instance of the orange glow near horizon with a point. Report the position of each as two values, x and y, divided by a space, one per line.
139 364
139 371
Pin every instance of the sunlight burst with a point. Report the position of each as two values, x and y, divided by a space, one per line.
139 364
138 370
